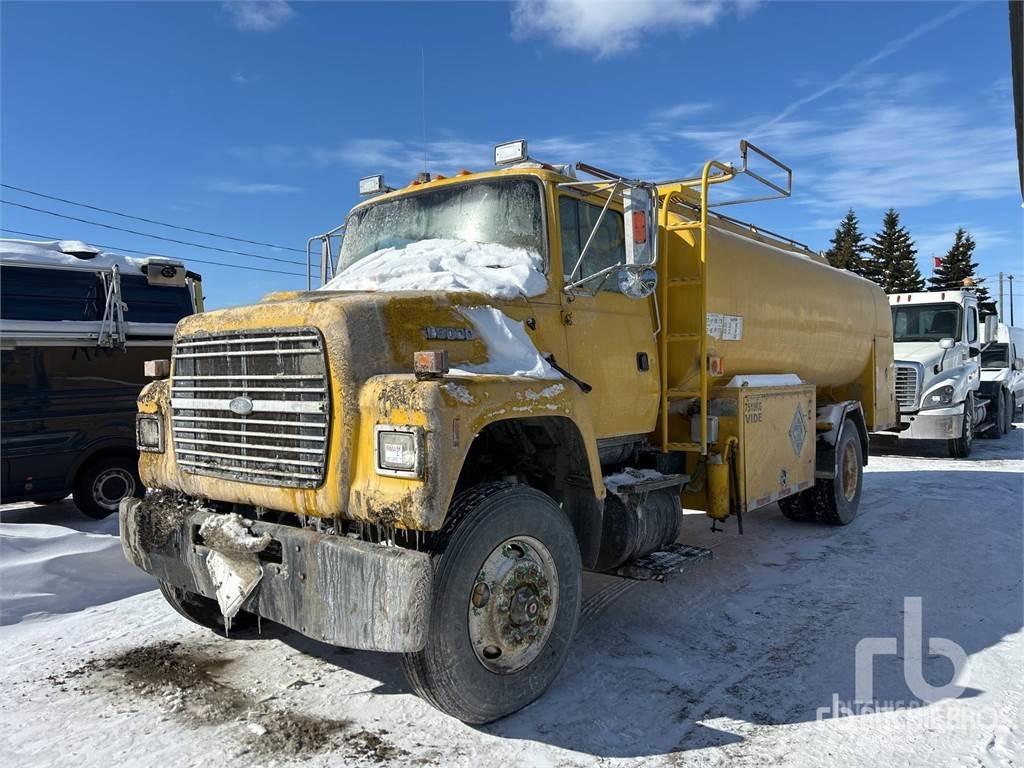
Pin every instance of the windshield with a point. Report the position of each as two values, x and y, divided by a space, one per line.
928 322
995 356
505 212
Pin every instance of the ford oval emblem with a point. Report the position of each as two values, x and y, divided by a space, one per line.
241 405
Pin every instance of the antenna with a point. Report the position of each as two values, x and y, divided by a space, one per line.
423 103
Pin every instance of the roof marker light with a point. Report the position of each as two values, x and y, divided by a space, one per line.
372 185
510 152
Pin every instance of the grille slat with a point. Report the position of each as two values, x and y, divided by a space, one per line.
283 439
212 431
907 387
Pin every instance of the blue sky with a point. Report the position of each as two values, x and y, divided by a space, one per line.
258 119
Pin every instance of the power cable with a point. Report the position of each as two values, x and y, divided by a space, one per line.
114 248
147 234
150 221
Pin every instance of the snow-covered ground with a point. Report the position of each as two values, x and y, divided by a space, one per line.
725 666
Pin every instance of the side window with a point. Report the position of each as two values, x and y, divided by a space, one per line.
577 220
972 325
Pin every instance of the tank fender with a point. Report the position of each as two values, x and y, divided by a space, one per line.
830 420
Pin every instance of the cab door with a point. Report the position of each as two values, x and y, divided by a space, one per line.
611 338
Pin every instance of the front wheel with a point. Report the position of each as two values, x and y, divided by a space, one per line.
960 447
1006 422
507 588
204 611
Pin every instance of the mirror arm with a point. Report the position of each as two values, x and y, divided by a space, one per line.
576 284
593 232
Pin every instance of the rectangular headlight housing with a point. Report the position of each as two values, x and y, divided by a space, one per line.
149 432
398 451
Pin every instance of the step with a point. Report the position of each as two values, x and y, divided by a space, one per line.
656 566
684 337
684 226
653 484
684 281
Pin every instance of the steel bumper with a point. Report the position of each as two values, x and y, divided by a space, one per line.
934 424
331 588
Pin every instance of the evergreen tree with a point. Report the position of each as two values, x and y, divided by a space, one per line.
893 263
847 245
956 266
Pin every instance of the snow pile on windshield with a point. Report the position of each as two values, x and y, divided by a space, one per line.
510 351
494 270
60 253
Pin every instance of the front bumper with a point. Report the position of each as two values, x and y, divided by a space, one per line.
331 588
934 424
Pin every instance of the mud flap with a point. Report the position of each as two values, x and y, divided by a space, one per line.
657 566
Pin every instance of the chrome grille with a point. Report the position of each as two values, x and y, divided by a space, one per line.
907 385
281 377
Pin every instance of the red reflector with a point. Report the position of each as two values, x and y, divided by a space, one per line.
639 227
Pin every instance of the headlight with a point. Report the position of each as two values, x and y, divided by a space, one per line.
938 398
399 451
149 433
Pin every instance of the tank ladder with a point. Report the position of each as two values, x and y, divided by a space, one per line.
687 341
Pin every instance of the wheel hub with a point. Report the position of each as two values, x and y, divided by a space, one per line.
511 605
111 486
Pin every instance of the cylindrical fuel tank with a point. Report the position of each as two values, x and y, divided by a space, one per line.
774 309
637 525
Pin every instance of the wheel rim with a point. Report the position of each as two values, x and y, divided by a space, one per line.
513 604
849 471
112 485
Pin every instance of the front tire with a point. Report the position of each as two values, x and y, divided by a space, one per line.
960 447
507 590
1006 421
102 483
204 611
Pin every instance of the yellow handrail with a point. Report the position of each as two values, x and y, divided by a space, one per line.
727 173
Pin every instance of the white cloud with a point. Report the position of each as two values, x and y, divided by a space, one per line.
896 142
239 79
258 15
608 27
233 187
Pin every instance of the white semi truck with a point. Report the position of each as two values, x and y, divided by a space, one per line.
937 349
1002 374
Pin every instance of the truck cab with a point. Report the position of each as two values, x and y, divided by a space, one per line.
937 349
1002 374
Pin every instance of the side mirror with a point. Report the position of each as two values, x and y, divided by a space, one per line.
1018 364
640 217
946 343
637 282
974 352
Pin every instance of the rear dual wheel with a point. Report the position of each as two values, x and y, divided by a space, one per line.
506 599
837 500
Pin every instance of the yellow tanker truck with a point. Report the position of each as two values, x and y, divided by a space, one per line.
512 376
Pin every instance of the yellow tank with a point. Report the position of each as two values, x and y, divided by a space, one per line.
774 309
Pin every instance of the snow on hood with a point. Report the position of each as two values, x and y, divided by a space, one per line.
59 253
510 351
494 270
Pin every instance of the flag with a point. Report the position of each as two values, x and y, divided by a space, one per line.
938 262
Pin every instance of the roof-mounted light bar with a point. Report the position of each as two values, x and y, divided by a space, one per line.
510 152
373 185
